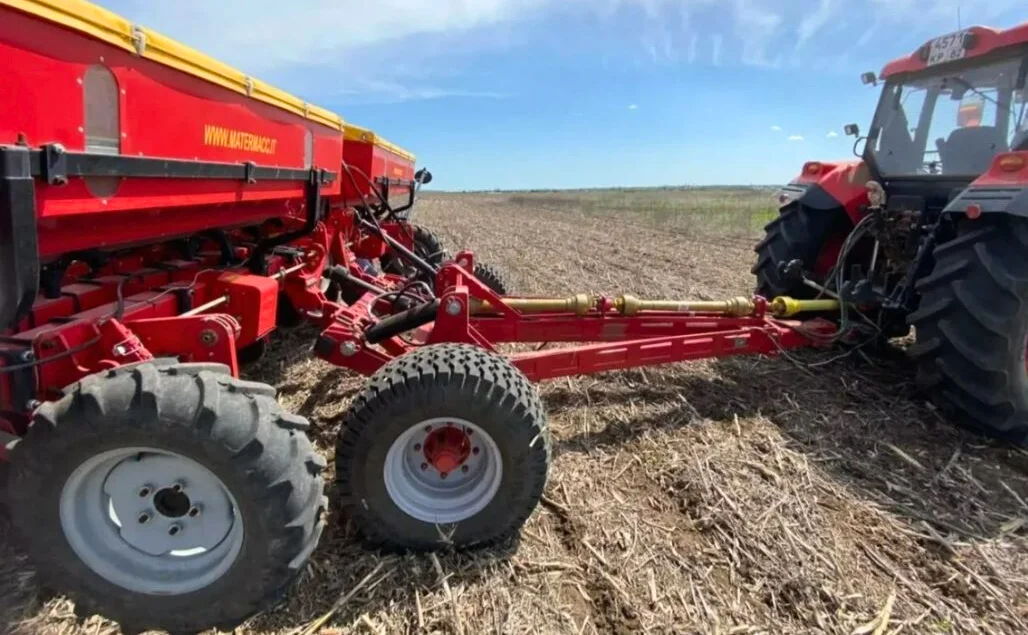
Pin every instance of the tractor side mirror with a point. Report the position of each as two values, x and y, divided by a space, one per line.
869 79
423 176
851 130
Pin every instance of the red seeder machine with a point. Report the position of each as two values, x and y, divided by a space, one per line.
161 214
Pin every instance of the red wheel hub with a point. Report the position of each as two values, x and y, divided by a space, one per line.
447 448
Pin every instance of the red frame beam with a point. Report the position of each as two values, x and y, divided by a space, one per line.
625 342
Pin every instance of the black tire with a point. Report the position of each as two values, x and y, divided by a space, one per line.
972 325
447 380
798 233
253 353
426 245
493 278
233 428
286 315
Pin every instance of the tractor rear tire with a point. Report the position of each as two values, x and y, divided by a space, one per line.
427 246
399 495
798 233
972 327
493 278
167 496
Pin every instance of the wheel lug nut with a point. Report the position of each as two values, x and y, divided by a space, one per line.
443 474
424 466
474 450
417 447
143 518
177 488
428 428
174 530
464 468
194 512
144 491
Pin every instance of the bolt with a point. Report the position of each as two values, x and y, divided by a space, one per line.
194 512
464 468
348 348
453 307
424 466
174 530
177 488
27 356
144 491
474 450
443 474
417 447
428 428
143 518
208 338
469 431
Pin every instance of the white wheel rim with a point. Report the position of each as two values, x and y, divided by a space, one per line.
420 489
151 521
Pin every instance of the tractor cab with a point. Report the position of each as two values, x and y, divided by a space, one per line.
946 112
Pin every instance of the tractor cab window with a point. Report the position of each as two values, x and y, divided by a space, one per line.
949 124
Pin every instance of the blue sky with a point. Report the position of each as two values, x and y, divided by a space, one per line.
580 93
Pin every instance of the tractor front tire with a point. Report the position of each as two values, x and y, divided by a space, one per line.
493 278
167 496
972 327
446 447
798 233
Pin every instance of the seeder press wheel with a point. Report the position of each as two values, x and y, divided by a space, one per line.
447 446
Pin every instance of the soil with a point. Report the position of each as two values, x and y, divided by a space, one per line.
810 494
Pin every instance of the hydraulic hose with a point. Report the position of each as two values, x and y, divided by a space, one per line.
402 322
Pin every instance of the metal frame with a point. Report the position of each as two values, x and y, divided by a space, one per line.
55 164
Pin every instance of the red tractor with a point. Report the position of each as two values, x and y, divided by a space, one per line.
161 214
930 227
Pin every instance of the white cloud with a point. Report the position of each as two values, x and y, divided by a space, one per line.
362 90
692 48
776 128
255 41
795 137
715 54
633 107
832 134
816 20
755 26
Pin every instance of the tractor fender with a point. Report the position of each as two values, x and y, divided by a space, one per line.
1000 190
991 200
831 185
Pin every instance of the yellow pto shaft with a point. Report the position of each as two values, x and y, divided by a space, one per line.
578 304
736 307
784 306
582 304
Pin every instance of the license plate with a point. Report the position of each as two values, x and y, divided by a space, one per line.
947 48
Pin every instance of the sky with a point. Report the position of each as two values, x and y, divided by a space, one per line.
526 94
